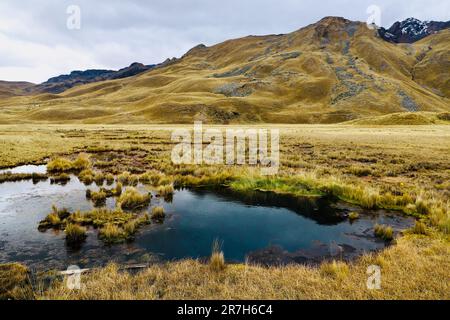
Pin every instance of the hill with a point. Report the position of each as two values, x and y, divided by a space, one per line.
332 71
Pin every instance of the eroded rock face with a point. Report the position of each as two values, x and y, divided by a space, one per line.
64 82
411 30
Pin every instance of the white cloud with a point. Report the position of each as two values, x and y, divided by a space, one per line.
35 43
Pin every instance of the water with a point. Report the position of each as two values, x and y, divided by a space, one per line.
259 227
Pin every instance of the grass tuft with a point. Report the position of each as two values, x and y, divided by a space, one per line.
158 213
217 259
75 234
384 232
132 199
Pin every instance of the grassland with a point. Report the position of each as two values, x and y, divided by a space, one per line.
399 167
329 72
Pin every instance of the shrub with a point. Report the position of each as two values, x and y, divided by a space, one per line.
132 199
75 234
158 213
384 232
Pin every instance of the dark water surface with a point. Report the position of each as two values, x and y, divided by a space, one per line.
257 227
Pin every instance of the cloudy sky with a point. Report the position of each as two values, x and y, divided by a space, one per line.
35 42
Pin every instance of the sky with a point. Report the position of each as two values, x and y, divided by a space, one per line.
40 39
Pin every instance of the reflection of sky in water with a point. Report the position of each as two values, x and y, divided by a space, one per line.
195 219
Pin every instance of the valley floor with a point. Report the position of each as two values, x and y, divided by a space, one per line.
405 168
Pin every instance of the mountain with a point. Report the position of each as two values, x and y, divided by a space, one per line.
330 71
11 89
75 78
412 30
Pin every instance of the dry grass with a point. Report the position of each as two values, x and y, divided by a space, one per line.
75 234
133 199
14 282
384 232
406 269
408 172
158 213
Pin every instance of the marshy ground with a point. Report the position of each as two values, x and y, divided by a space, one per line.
404 168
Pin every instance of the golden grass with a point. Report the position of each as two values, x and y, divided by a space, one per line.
408 173
158 213
82 162
251 80
75 234
384 232
406 270
133 199
14 282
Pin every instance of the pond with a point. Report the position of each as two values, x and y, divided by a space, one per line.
262 228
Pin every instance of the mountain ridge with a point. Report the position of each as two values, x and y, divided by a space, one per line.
331 71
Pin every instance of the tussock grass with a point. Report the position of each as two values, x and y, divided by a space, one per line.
109 179
86 176
112 233
158 213
98 198
420 228
82 162
384 232
217 259
426 260
63 178
353 216
14 177
335 269
55 219
132 199
166 190
14 282
75 234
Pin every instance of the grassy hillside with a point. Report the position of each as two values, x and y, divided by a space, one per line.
332 71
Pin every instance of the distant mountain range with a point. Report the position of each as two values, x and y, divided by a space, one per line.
412 30
330 71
